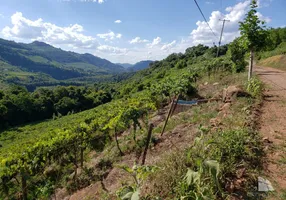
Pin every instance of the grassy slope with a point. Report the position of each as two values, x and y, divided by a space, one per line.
275 58
278 61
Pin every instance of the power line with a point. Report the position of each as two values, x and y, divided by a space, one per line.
204 17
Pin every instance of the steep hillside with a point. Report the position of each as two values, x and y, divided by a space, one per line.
39 58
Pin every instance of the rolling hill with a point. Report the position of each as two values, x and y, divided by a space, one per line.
39 63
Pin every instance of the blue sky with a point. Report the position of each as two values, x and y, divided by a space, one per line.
128 30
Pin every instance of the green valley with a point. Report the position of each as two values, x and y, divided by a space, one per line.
76 126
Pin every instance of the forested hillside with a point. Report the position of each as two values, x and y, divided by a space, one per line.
40 64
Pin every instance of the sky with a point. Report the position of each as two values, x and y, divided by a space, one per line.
128 31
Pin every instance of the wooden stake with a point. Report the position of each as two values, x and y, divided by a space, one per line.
175 106
24 186
117 142
169 113
151 126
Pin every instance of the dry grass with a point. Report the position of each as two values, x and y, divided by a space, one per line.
278 61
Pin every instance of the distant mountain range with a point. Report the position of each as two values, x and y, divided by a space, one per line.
136 67
125 65
40 64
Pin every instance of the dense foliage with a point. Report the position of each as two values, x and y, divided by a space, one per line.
18 106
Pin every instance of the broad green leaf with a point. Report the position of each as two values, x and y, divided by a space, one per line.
135 195
213 167
127 196
192 177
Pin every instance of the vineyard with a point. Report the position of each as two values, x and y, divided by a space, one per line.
26 152
38 158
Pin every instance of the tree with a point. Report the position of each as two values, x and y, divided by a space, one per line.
253 33
236 53
196 51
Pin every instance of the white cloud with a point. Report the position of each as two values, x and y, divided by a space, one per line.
117 21
1 15
263 3
26 29
209 2
119 35
263 18
138 40
203 35
157 50
109 36
155 42
112 50
169 46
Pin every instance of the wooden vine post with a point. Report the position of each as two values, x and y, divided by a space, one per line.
172 108
151 126
81 150
24 186
117 142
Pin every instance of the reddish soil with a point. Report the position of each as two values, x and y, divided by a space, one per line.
273 128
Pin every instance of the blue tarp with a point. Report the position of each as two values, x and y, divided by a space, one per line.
193 102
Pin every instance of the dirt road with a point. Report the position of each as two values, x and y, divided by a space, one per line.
273 128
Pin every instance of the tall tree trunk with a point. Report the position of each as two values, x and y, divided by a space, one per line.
250 64
24 186
117 142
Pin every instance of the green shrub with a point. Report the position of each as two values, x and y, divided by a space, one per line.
236 52
255 87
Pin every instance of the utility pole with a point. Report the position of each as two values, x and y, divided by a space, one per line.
224 20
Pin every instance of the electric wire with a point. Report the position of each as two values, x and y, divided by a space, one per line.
204 17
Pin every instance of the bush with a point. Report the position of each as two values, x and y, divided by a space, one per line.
255 87
181 64
237 54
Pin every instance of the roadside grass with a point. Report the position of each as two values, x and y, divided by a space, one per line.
278 62
234 145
